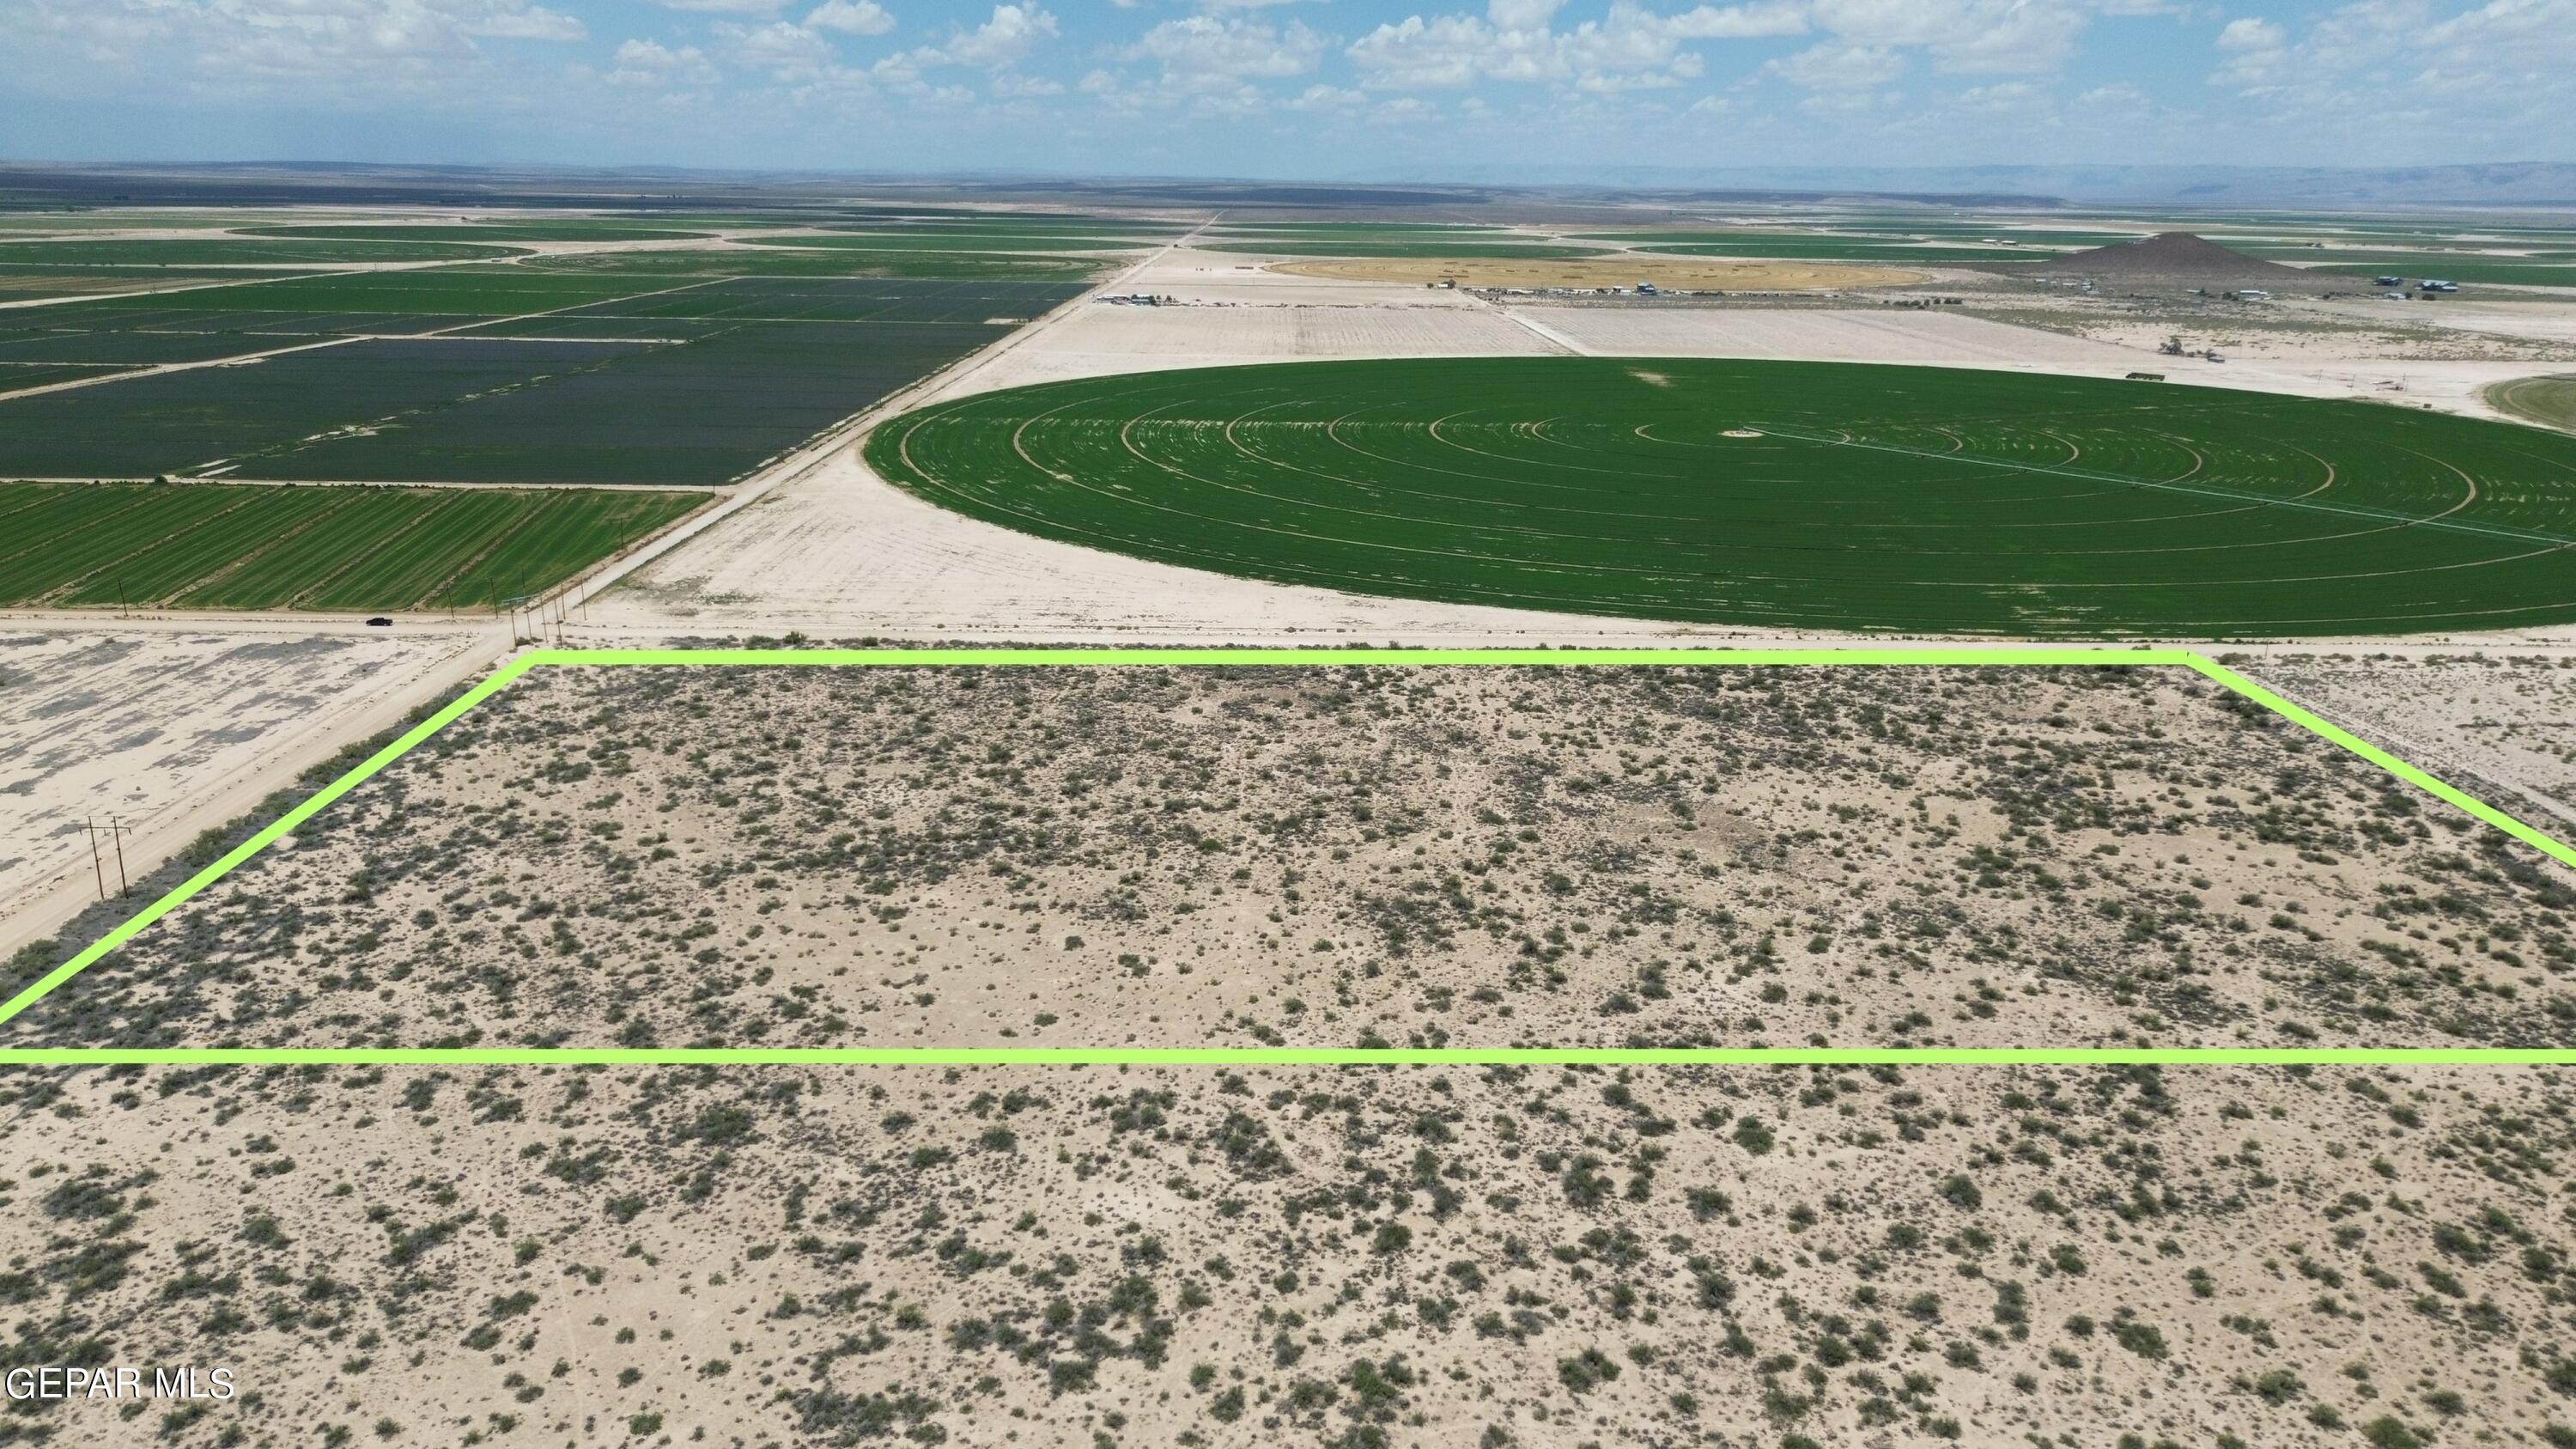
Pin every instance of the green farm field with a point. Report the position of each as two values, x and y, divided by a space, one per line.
2489 271
245 546
2548 401
926 260
1784 494
578 229
240 251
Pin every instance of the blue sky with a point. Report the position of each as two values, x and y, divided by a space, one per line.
1289 88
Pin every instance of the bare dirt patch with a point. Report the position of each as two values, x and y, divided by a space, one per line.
1692 272
171 731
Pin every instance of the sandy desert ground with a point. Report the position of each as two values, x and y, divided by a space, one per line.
173 729
1496 1257
1619 271
1349 1257
1358 856
2501 726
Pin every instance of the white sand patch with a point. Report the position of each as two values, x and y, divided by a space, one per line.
1938 339
174 733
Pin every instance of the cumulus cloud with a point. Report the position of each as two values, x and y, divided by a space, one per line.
651 65
2496 70
243 51
1966 36
791 52
2000 97
850 17
1203 52
1012 34
1005 40
526 22
1327 98
1629 47
1011 85
2252 33
1835 66
2256 51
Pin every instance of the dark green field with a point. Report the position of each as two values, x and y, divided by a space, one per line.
173 422
212 545
239 251
2489 271
684 380
582 229
925 259
707 411
1783 494
15 376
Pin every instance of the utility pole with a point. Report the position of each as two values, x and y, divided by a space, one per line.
96 868
116 830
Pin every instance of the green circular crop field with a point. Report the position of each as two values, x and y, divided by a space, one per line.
1783 494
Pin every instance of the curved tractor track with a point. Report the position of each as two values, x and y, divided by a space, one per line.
1783 494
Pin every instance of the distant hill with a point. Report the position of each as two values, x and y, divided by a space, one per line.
2171 256
2537 184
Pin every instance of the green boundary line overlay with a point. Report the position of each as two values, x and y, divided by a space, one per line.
1286 1056
1290 1056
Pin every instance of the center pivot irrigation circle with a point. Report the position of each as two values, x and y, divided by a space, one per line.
1783 494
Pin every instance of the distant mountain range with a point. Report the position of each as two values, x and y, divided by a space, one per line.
2515 183
2519 185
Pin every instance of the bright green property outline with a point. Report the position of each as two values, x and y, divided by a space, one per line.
2139 658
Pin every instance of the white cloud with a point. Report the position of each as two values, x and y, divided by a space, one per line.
1011 85
1975 36
2252 33
2000 97
1834 66
1006 39
527 22
1629 47
864 17
2497 70
2256 50
1739 22
1327 98
240 52
1012 34
1205 53
1417 54
724 7
651 65
790 51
